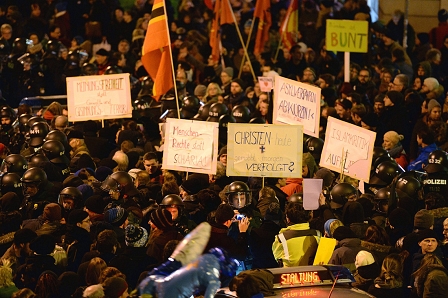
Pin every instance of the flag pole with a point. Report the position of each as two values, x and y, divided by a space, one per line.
176 97
241 39
247 45
285 21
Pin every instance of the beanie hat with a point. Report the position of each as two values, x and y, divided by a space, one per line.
370 120
352 213
222 151
431 83
86 190
192 186
327 226
77 216
393 137
228 71
432 104
133 173
364 258
343 232
108 162
94 291
395 97
239 82
114 287
136 236
75 134
223 213
116 216
423 219
72 180
162 219
390 34
346 88
425 234
52 212
345 103
423 37
102 172
200 90
95 204
85 161
399 217
43 244
273 212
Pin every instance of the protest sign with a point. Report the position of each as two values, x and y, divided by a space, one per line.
264 150
99 97
324 251
190 146
266 83
348 149
347 36
297 103
312 188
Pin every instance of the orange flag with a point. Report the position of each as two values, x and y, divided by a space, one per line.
215 35
156 57
263 13
290 26
226 13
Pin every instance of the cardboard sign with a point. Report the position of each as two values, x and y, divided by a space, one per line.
297 103
99 97
264 150
312 188
266 84
348 149
190 146
347 36
324 251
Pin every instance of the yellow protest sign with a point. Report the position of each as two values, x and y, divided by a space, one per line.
347 36
324 251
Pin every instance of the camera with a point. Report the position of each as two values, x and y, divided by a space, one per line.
240 216
29 42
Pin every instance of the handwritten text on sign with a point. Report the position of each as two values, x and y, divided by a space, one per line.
347 36
348 148
297 103
99 97
190 146
266 84
264 150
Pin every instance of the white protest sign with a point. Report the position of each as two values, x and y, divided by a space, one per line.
348 147
266 83
99 97
312 188
264 150
297 103
190 146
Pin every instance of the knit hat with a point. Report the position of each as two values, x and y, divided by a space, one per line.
432 104
52 212
108 162
162 219
114 287
431 83
393 137
395 97
136 236
222 151
200 90
399 217
425 234
102 52
95 204
116 216
102 172
390 34
366 265
346 88
327 226
75 134
423 219
77 216
352 213
343 232
364 258
228 71
273 212
86 190
370 120
43 244
94 291
223 213
345 103
192 185
240 82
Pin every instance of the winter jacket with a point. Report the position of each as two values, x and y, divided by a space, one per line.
296 245
346 253
219 238
422 158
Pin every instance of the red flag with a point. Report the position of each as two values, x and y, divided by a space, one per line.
226 13
290 26
214 32
156 57
263 13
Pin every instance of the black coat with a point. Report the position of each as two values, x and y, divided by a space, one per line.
260 244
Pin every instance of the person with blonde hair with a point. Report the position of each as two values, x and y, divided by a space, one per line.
212 92
94 270
431 278
7 286
390 281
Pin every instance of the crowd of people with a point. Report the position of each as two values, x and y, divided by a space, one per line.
86 210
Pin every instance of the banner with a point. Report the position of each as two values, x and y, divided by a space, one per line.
266 83
347 36
297 103
264 150
263 13
348 149
99 97
190 146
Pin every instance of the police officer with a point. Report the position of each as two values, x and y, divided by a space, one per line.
7 116
70 198
122 190
239 197
57 168
436 178
174 204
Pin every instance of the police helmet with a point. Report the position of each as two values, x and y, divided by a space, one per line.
172 200
14 163
239 195
341 193
52 48
191 103
146 86
11 182
113 69
241 114
35 176
408 187
22 123
224 121
8 112
89 69
73 60
257 120
54 151
296 198
19 46
38 132
216 110
437 162
384 173
57 135
36 160
202 114
382 197
315 146
71 193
